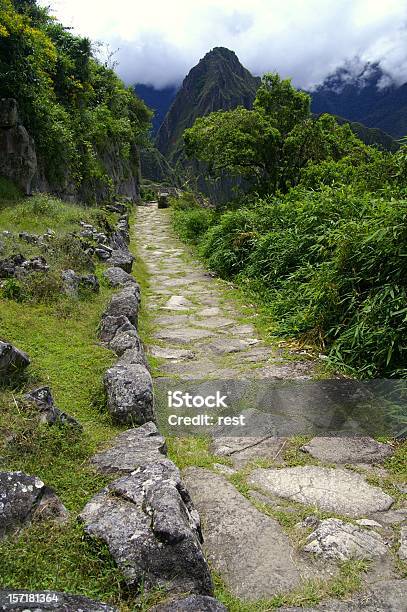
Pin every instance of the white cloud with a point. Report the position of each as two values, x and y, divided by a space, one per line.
160 41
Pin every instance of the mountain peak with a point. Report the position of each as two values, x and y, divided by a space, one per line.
218 82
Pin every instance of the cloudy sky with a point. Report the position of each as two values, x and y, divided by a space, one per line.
159 41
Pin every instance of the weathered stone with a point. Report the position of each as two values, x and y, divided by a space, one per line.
110 326
8 113
103 252
152 530
10 265
402 551
384 596
89 282
129 391
193 603
122 259
24 498
117 277
248 548
368 523
169 353
49 600
177 302
223 346
348 449
133 356
70 282
391 517
184 335
335 539
131 449
333 490
244 449
126 340
18 160
125 303
49 413
35 264
12 360
162 200
29 238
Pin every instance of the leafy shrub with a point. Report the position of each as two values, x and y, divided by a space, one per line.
192 224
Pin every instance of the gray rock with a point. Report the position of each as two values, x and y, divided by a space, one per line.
50 600
184 335
162 200
122 259
35 264
333 490
12 360
132 449
152 530
110 326
125 303
384 596
44 402
129 391
391 517
10 265
335 539
244 449
126 340
29 238
72 282
193 603
168 353
177 302
117 207
348 449
103 252
402 551
117 277
8 113
133 356
89 282
24 498
18 160
224 346
248 548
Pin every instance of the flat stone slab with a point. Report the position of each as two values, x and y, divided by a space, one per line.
249 549
209 312
131 449
349 449
177 302
245 449
333 490
173 354
50 600
215 322
384 596
335 539
184 335
224 346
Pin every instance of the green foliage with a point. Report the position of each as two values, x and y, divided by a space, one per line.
192 224
331 267
75 108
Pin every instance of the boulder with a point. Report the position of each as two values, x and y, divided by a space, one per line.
193 603
332 490
117 277
125 341
152 530
347 449
12 360
335 539
110 326
24 498
133 356
163 199
35 264
72 282
122 259
125 303
49 413
10 265
29 238
22 600
129 389
103 252
131 449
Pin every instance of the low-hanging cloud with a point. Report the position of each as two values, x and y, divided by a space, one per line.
158 42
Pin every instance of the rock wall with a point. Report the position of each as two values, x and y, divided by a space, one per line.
19 163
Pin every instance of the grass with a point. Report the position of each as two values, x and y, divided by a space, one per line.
60 336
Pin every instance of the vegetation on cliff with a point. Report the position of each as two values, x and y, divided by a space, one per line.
74 106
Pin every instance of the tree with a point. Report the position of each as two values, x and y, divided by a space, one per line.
239 142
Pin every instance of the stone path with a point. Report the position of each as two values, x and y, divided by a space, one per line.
334 512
